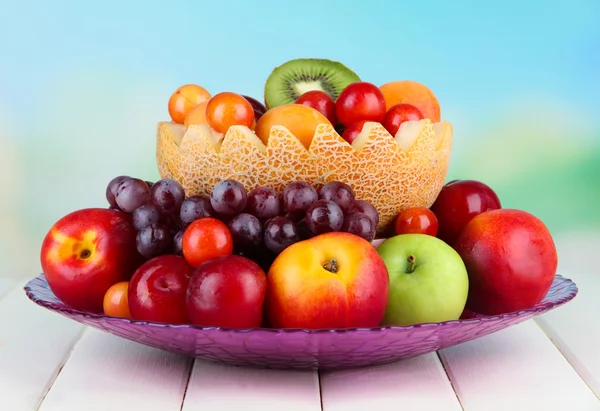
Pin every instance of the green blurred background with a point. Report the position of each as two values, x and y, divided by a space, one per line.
82 86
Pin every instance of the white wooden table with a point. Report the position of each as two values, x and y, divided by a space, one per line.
551 363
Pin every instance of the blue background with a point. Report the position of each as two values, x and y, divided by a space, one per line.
83 84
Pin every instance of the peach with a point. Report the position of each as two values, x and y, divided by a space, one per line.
334 280
302 121
184 99
197 115
413 93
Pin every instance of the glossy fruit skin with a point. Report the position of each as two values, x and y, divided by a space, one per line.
511 259
399 114
458 202
87 251
132 193
157 290
197 115
360 101
228 109
228 197
351 132
205 239
280 233
416 220
433 289
184 99
115 301
413 93
258 107
298 196
263 203
363 206
111 190
195 207
324 216
340 193
359 224
320 101
227 292
302 121
302 293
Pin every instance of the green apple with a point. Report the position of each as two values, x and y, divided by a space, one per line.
428 280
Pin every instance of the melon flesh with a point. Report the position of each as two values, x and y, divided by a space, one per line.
391 172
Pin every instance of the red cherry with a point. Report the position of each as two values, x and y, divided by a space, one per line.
416 220
320 101
398 114
350 133
360 101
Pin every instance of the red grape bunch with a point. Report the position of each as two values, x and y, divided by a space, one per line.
155 209
260 220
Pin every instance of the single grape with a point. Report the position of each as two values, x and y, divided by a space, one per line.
153 240
361 225
177 243
263 203
324 216
340 193
195 207
279 234
145 215
132 193
297 197
246 230
367 208
167 195
228 198
111 190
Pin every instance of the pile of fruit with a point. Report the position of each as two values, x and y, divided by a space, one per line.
266 215
319 123
304 259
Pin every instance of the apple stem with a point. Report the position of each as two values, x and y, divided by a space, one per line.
331 266
411 264
85 254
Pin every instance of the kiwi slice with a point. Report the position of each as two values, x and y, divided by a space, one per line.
290 80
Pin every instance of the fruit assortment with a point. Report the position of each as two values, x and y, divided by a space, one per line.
319 122
277 245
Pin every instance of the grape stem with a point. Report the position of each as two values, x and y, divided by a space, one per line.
331 266
411 264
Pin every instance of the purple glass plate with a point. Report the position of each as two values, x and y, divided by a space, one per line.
302 349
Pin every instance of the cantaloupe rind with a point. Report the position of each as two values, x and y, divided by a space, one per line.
391 172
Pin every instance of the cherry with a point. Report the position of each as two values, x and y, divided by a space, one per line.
351 132
360 101
416 220
398 114
320 101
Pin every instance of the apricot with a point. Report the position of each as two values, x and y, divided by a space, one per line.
414 93
184 99
302 121
197 115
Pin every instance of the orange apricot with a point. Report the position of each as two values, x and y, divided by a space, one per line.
184 99
413 93
302 121
197 115
115 301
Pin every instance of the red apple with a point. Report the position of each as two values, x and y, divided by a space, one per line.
157 290
227 291
333 280
86 252
458 202
511 261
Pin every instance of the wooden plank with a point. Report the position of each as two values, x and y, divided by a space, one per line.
106 372
418 383
34 343
215 386
575 328
515 369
